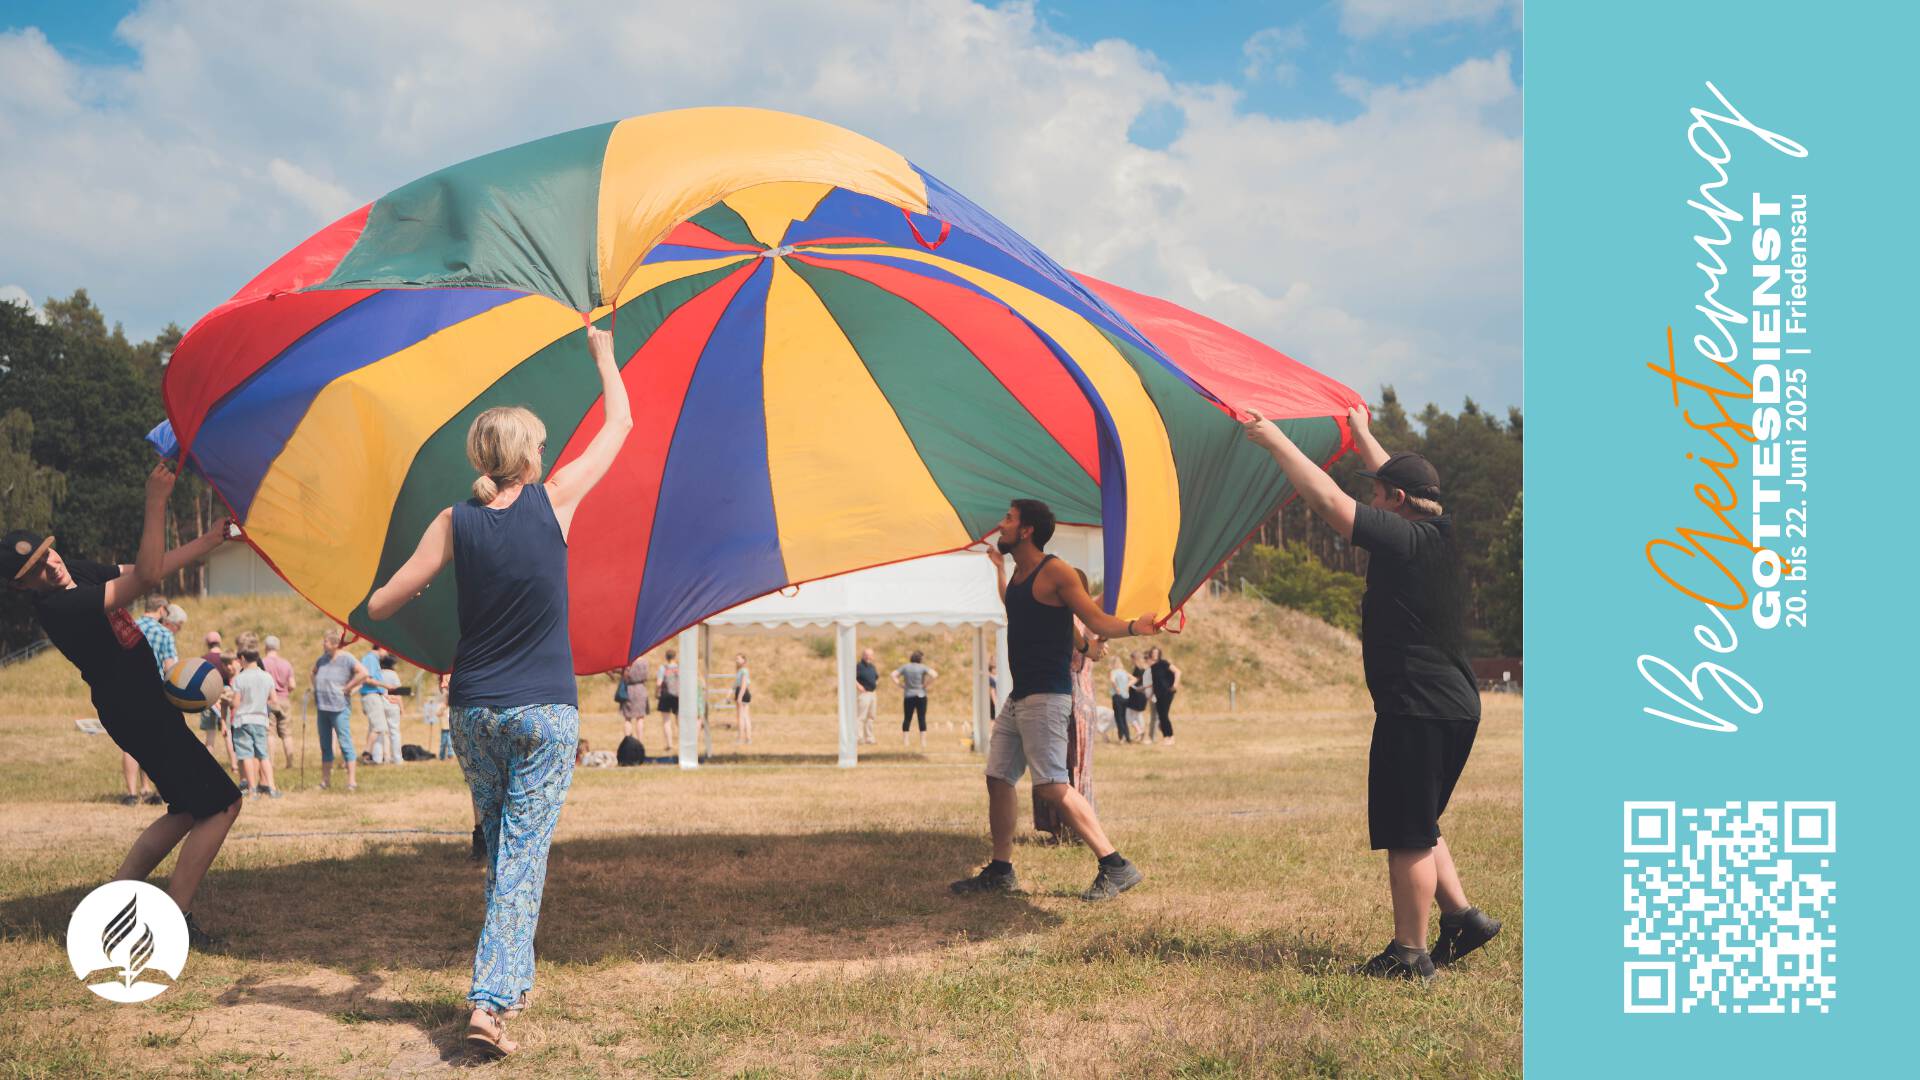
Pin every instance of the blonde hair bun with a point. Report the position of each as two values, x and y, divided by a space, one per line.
501 446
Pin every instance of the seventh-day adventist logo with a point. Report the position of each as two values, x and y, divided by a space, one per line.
127 941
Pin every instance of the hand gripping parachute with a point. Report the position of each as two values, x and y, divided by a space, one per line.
835 361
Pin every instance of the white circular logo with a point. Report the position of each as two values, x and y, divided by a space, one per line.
127 941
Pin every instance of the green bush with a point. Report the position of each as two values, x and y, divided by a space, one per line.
821 646
1292 577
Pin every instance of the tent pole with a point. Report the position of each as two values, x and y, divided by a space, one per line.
980 690
692 690
1000 659
845 651
706 667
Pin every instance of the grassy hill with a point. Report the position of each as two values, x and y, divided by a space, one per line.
1276 657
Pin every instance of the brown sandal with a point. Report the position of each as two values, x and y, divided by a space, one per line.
492 1045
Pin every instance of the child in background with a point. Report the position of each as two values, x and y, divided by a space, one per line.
586 756
253 689
390 678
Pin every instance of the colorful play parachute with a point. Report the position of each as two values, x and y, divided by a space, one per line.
835 361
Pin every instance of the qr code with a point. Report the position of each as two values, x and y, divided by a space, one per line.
1729 907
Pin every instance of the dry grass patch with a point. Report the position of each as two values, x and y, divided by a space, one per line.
774 917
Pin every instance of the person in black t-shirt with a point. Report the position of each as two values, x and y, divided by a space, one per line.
82 606
1425 701
1166 683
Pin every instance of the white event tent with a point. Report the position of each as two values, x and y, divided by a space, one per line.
952 590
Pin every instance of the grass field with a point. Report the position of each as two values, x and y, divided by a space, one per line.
769 916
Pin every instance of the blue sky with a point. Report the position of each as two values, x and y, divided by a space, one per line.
1195 42
1340 179
81 29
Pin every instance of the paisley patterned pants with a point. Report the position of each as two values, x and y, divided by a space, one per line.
519 764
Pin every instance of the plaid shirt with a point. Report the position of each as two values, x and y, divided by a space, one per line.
161 639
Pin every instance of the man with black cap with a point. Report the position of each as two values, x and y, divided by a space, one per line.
82 606
1425 701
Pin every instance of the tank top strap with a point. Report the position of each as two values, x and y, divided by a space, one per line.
1027 582
542 498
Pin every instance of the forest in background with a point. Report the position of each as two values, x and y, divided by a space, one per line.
77 399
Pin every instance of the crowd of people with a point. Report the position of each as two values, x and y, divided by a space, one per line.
512 707
1144 685
1143 696
257 708
253 708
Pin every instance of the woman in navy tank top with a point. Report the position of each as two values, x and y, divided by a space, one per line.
512 702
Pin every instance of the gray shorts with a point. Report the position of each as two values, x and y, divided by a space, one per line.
1031 732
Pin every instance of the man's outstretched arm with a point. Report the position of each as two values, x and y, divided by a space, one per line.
194 550
1068 589
1316 488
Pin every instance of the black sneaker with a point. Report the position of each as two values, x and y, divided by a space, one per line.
987 881
129 800
151 799
479 852
1462 933
1397 961
1111 881
197 937
246 787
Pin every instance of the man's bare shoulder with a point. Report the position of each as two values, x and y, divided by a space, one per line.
1055 576
1059 569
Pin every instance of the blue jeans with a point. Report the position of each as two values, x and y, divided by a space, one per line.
335 723
446 743
519 765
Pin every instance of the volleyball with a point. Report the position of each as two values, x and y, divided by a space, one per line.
193 685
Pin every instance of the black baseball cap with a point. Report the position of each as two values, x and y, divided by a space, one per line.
1409 472
21 551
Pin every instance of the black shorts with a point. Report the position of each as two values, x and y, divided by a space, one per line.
1411 769
173 757
670 703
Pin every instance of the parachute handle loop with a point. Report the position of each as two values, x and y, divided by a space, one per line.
1168 625
945 228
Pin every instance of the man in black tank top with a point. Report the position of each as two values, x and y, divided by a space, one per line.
1031 731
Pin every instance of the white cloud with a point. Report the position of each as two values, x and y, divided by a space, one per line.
1370 18
323 199
1381 248
14 294
1264 52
